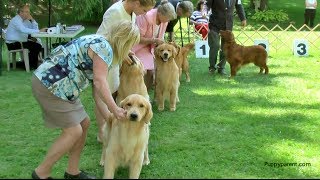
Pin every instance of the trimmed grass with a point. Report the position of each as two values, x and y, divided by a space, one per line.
222 128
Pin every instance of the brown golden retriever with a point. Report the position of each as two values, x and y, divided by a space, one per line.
238 55
125 141
166 76
182 59
131 79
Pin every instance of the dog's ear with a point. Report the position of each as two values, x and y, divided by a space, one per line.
123 102
174 51
156 51
149 114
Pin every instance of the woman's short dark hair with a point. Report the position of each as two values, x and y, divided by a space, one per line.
200 2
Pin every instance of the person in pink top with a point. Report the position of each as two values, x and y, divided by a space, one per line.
152 27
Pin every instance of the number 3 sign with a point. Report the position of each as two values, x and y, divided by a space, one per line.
300 47
202 49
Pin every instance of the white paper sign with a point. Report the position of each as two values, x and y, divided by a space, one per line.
202 49
300 47
262 42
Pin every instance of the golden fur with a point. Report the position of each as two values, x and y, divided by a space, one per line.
131 79
166 76
182 59
125 141
238 55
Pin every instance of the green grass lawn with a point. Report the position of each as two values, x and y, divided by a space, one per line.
222 128
242 128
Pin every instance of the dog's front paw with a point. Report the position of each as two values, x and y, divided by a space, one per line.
160 108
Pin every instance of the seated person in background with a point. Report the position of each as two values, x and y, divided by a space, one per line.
152 27
18 30
183 9
200 19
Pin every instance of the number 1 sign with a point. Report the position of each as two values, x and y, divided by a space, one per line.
202 49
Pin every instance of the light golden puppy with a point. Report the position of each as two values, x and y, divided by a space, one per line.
131 79
167 76
125 142
182 59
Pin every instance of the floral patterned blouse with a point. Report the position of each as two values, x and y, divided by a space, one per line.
67 71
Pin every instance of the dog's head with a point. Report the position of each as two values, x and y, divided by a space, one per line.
227 35
133 66
138 108
165 52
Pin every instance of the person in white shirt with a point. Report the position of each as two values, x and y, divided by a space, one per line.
310 12
18 30
119 11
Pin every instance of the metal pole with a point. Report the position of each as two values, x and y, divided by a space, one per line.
181 32
49 9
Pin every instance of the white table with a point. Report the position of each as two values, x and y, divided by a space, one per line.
69 34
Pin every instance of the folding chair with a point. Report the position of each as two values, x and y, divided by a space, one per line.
12 55
198 32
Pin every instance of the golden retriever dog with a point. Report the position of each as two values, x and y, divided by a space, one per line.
238 55
167 76
131 79
125 142
182 59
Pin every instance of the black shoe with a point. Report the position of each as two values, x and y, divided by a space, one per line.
34 175
81 175
222 72
211 70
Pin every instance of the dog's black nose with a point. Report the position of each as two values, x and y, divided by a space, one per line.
133 117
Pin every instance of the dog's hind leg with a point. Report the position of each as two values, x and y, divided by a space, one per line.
266 69
233 70
146 160
185 68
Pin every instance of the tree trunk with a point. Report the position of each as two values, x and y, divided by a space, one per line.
251 4
263 5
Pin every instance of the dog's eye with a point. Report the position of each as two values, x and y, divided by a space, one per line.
141 105
129 104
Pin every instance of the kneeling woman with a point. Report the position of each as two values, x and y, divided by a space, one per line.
57 84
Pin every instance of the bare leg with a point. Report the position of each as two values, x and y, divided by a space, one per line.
100 123
63 144
75 152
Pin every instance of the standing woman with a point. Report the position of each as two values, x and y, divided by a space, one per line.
57 84
119 11
310 12
152 27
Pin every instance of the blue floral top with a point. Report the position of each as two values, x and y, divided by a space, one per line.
67 71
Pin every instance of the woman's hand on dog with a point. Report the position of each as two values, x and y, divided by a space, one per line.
158 41
119 113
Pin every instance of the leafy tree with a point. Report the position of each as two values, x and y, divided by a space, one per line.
70 10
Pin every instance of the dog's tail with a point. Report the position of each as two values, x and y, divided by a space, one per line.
188 46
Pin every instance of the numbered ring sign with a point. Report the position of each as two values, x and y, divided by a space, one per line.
300 47
202 49
262 42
